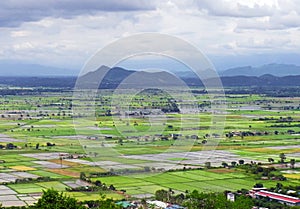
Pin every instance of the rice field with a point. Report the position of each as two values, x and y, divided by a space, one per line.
202 180
46 131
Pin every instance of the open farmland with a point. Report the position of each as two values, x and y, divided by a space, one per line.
46 145
215 180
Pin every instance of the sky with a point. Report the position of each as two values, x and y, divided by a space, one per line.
230 33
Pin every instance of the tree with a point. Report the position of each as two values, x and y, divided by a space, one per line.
215 200
224 164
54 199
282 157
293 162
98 183
144 203
107 203
82 176
233 163
102 203
271 160
111 187
120 141
207 165
258 185
10 146
278 186
170 193
242 202
161 195
37 146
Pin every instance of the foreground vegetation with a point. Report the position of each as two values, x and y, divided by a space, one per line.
54 199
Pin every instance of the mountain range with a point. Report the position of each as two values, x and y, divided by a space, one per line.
129 79
272 69
27 70
267 75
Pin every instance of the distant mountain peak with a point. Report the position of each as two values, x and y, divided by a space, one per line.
267 76
271 69
27 70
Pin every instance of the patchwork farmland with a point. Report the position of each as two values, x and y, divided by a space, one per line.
46 145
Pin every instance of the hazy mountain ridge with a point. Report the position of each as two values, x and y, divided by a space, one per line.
279 70
128 78
117 76
30 70
240 80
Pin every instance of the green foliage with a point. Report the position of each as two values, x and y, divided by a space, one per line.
53 199
242 202
207 164
282 157
162 195
82 176
215 201
103 203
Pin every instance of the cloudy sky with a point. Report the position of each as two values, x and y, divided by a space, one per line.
230 32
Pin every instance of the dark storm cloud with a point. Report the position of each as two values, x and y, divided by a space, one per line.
15 12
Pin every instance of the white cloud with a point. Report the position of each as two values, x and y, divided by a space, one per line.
238 8
20 33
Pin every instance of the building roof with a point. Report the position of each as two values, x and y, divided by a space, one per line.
158 203
175 207
280 197
124 204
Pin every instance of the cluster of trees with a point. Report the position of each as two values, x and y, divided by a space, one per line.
291 190
282 157
32 180
271 91
216 200
8 146
233 164
243 134
193 200
169 196
98 185
53 199
199 200
268 172
280 120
